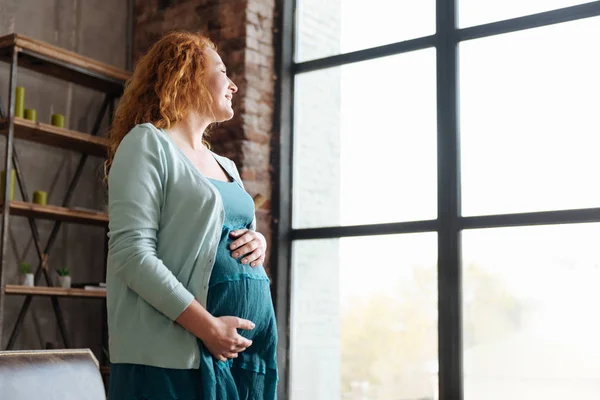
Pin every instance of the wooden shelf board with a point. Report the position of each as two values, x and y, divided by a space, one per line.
63 64
55 213
51 291
57 137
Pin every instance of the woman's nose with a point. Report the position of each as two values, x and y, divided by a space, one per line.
233 86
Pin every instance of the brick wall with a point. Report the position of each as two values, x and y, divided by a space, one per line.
243 33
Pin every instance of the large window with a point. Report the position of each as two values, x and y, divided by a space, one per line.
347 152
529 126
438 228
327 28
531 319
364 317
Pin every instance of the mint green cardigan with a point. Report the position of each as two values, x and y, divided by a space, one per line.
165 222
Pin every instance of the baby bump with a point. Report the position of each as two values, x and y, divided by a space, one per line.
245 298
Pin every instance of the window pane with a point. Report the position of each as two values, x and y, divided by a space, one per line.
531 309
364 318
529 120
477 12
365 142
331 27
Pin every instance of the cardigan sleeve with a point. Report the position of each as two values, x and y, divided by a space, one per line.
135 194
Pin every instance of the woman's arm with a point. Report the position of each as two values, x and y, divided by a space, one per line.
135 192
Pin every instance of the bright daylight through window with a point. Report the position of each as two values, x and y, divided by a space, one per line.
366 131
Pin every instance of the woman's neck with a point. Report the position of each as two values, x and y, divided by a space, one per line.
190 130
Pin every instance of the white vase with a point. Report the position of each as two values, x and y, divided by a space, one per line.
64 282
27 280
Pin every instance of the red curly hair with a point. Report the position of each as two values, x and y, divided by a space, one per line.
168 82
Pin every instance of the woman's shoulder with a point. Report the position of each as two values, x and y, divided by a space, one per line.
144 142
145 133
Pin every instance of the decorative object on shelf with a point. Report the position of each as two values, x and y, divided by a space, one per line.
40 197
58 120
13 178
99 288
20 101
26 275
64 277
31 114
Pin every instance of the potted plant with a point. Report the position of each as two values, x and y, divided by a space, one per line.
26 275
64 277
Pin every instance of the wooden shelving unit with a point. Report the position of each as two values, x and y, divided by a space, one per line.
56 137
55 213
52 291
63 64
23 52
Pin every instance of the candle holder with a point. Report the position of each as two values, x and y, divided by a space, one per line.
19 101
31 114
40 197
58 120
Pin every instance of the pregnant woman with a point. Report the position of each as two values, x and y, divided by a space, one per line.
189 307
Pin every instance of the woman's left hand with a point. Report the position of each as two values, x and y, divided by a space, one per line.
250 244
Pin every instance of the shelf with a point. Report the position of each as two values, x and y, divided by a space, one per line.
63 64
52 291
57 137
105 370
55 213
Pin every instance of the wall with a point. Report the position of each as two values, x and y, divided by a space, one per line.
97 29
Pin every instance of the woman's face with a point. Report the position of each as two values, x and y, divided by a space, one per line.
220 86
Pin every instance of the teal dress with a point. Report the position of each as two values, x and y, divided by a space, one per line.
235 289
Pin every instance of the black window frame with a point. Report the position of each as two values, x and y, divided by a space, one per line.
449 223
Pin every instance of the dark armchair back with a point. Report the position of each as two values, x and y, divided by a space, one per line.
50 375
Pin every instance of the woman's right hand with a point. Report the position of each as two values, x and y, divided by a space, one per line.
222 339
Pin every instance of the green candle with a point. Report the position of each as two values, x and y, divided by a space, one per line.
19 101
30 114
13 177
58 120
40 197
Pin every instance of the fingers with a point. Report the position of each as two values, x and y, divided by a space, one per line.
255 255
241 344
238 233
226 342
256 258
246 249
244 324
259 261
243 236
244 343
